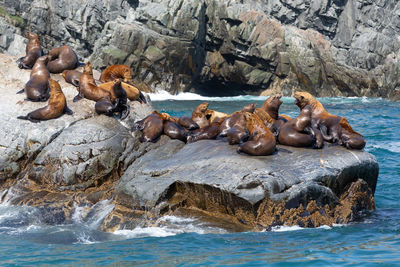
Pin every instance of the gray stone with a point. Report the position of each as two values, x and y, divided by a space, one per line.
282 176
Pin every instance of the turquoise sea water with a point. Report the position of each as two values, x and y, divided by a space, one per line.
24 240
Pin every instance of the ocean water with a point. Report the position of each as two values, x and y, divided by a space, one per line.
375 240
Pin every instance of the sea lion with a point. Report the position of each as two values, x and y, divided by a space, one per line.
334 129
62 58
174 130
151 127
56 107
88 87
208 132
116 72
236 119
132 92
261 140
37 88
72 77
299 133
116 103
199 115
271 106
213 115
33 52
237 134
188 123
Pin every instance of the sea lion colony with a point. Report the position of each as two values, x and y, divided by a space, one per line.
255 130
110 96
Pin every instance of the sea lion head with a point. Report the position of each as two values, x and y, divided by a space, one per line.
88 68
303 99
43 60
275 101
31 35
202 107
249 108
54 85
127 74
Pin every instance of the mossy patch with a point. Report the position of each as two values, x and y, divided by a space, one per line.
14 20
115 53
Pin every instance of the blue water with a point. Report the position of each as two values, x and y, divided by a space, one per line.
188 242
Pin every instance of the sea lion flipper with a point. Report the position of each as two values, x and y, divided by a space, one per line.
28 118
142 98
22 117
21 91
75 82
125 112
77 98
68 111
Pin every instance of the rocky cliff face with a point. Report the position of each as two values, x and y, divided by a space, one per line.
213 47
84 160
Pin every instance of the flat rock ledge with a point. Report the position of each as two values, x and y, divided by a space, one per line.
97 165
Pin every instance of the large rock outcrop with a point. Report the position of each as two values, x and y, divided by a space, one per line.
86 160
213 47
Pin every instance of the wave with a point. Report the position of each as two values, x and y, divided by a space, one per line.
164 95
389 146
185 96
170 226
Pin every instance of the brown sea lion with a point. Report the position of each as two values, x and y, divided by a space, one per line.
132 92
266 119
116 72
174 130
299 133
236 119
72 77
116 103
62 58
188 123
271 106
333 128
37 88
199 115
56 107
88 87
208 132
152 127
33 52
261 141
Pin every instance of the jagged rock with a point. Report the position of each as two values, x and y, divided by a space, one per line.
213 47
210 177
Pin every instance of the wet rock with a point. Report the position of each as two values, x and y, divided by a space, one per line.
209 176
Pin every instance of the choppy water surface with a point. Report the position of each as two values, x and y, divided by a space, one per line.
24 240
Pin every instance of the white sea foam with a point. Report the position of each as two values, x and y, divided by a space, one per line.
164 95
284 228
84 238
169 226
